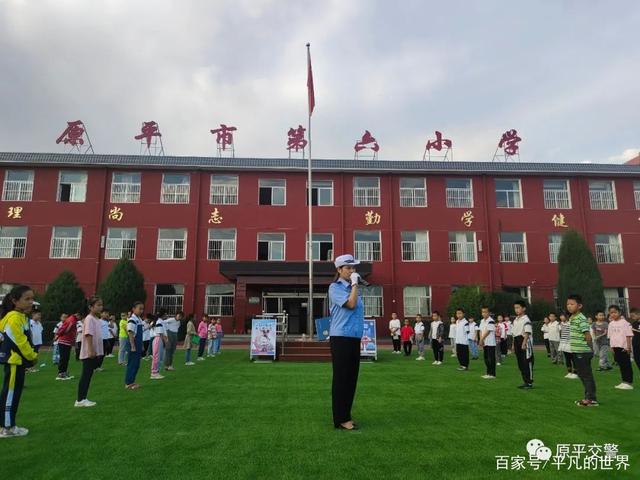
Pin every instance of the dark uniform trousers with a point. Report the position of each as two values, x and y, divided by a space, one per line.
345 355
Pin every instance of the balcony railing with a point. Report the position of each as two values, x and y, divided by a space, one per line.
65 248
17 191
219 305
459 198
413 197
513 252
367 251
602 200
12 247
171 249
223 195
222 250
125 193
462 252
608 253
554 249
175 193
554 199
366 197
118 248
415 251
172 304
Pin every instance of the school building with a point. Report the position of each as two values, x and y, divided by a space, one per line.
227 236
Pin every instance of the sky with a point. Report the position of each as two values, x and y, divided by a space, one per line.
564 74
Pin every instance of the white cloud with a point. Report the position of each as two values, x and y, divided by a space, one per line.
625 156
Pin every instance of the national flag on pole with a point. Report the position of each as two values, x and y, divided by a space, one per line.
312 97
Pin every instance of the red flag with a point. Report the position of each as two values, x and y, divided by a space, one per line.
312 97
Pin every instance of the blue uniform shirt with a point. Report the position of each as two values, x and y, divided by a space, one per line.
344 321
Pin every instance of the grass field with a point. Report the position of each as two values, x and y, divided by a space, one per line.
229 418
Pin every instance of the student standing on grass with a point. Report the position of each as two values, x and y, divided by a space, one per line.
523 344
620 337
66 339
16 354
188 339
462 340
219 336
79 317
554 338
134 330
452 335
203 330
113 331
123 339
565 347
635 328
172 326
437 338
504 345
105 332
509 325
55 354
160 341
36 328
394 331
580 343
473 337
488 342
91 350
545 335
347 325
211 339
419 332
406 334
146 336
599 331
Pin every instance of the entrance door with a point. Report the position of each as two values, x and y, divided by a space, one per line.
296 314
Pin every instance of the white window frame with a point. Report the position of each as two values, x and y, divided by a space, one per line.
66 244
510 251
597 201
609 253
318 204
227 194
552 198
163 245
369 247
318 242
420 305
21 190
10 245
554 247
454 194
408 200
170 309
272 187
365 196
175 193
508 192
373 304
130 191
270 247
82 187
117 244
217 310
622 302
464 246
227 246
411 246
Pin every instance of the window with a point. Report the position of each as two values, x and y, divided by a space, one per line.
523 292
459 193
72 187
556 194
636 194
366 246
415 246
125 187
366 192
18 186
413 192
222 244
513 247
602 195
271 246
121 243
372 300
273 192
322 245
508 194
224 190
65 242
172 244
219 300
609 248
321 193
462 247
555 240
175 188
169 297
617 296
417 300
13 242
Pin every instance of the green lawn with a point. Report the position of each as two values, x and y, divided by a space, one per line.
229 418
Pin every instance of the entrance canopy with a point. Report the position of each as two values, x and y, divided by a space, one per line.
290 273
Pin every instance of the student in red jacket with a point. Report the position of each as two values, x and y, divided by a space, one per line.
406 335
66 340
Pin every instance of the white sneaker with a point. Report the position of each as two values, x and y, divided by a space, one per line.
201 359
488 376
439 363
13 432
499 364
156 376
574 376
435 363
84 403
189 363
624 386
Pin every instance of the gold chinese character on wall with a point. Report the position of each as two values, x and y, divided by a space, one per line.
215 217
467 218
372 218
116 214
14 212
559 220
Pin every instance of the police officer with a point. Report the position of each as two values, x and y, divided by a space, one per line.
347 324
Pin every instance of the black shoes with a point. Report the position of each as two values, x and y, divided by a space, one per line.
526 386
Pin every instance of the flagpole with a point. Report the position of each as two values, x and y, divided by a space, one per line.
310 206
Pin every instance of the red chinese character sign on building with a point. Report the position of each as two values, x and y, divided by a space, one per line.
76 137
224 140
508 146
367 142
296 140
438 145
150 139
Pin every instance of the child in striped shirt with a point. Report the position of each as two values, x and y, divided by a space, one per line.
580 343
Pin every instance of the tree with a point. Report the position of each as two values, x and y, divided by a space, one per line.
470 298
503 302
63 295
578 273
122 287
